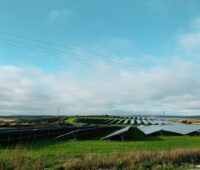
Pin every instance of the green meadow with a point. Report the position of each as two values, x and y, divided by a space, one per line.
80 147
171 152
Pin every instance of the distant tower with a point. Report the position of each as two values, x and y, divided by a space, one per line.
164 115
58 112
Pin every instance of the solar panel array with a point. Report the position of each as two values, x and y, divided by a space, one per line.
135 121
118 132
124 120
178 128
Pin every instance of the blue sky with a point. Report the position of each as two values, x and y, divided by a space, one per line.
149 25
83 45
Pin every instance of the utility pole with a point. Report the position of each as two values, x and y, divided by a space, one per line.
58 112
164 115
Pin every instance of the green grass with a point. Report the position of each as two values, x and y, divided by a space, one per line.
114 155
73 121
50 152
52 147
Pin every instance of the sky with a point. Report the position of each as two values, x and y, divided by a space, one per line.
99 57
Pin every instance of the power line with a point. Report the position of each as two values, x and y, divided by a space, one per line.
29 38
125 65
68 47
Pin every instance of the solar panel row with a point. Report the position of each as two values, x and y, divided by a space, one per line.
126 121
178 128
137 121
118 132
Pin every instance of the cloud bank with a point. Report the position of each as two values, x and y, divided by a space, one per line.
107 90
96 88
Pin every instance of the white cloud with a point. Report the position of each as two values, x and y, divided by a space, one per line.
106 88
195 24
56 14
30 91
189 41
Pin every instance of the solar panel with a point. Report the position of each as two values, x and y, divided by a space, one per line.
153 122
107 121
178 128
120 121
116 121
78 131
68 133
138 121
149 129
118 132
112 121
126 121
132 121
160 122
181 128
145 122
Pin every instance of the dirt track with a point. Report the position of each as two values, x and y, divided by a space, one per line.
7 120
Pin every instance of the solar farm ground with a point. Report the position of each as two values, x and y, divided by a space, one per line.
79 147
107 120
169 152
82 154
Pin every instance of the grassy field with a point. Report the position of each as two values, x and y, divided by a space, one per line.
138 152
195 121
162 153
73 147
73 121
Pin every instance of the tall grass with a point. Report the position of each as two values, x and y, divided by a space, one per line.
176 159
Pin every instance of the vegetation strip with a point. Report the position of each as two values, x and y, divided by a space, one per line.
176 159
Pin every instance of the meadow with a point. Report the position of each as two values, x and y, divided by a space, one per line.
80 147
139 152
170 152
